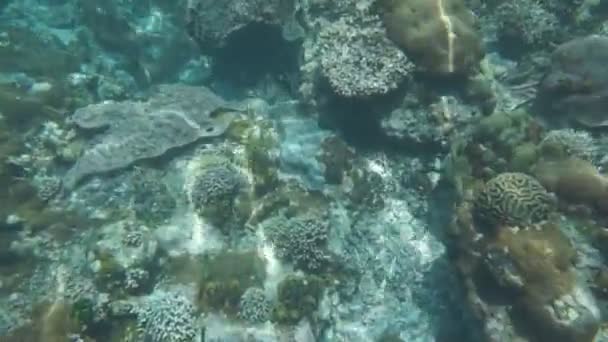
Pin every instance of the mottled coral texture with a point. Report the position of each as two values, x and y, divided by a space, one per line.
513 198
359 60
576 87
439 35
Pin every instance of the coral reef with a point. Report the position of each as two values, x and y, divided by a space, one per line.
140 130
225 277
254 306
123 257
526 279
300 239
298 297
534 261
314 170
563 143
514 199
525 23
575 87
358 60
153 203
210 25
167 316
448 24
48 187
574 180
214 192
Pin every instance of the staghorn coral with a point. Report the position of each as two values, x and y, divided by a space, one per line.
254 306
513 198
300 239
358 60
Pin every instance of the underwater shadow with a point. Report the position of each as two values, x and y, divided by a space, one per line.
452 320
252 53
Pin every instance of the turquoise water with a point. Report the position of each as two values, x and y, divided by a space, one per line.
290 170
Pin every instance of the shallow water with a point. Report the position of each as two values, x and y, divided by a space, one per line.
290 170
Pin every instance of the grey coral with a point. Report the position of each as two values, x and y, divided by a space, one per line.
175 116
254 306
301 240
359 60
167 316
218 184
576 143
527 22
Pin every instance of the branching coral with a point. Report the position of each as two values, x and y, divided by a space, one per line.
358 60
301 240
167 317
526 22
570 142
254 306
215 190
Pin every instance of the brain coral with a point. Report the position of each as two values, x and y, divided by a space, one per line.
513 198
438 35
